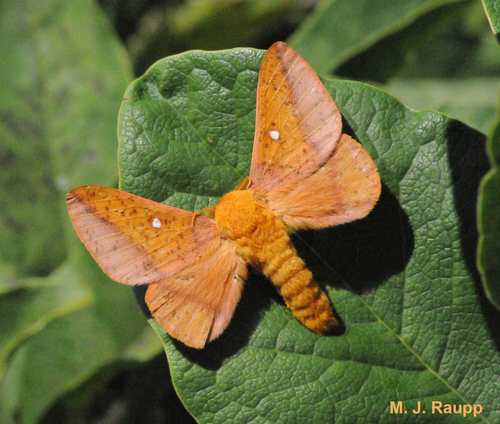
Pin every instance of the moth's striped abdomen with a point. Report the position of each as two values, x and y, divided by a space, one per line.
262 239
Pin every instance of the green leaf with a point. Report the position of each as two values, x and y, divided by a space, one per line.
489 221
56 346
337 30
42 300
403 280
63 75
471 100
429 47
49 126
492 10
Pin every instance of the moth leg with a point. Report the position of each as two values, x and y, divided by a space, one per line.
243 184
208 211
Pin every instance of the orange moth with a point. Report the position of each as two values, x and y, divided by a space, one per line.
304 174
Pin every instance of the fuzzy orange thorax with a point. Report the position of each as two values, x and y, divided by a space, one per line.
262 239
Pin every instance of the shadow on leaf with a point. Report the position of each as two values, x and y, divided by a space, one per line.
363 254
256 298
469 163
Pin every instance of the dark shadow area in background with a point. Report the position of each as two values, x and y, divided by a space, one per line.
469 164
131 20
126 393
140 294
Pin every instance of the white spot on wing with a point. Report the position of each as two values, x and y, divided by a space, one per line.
156 223
274 135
